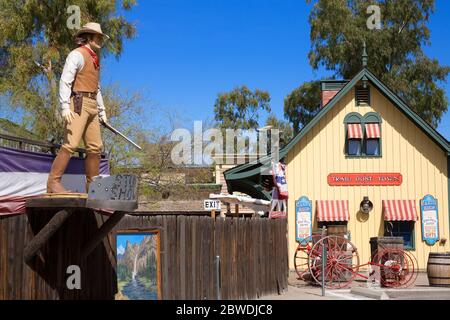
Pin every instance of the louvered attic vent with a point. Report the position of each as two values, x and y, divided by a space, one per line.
363 96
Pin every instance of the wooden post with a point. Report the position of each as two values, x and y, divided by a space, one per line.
45 233
101 233
213 214
236 210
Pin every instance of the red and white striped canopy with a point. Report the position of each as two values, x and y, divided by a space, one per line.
332 210
354 131
373 130
400 210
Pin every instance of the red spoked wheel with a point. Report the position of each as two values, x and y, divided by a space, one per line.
342 263
398 268
301 260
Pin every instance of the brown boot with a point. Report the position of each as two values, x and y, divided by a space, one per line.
92 165
58 167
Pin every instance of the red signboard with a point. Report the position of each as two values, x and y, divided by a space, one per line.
365 179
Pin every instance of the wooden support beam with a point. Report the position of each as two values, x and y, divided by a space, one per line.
97 238
45 233
213 214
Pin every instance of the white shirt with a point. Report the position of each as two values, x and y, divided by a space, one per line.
75 63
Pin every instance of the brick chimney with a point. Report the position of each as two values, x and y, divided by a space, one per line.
330 88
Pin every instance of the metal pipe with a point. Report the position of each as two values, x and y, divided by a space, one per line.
218 279
324 263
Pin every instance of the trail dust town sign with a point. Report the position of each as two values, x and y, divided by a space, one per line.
365 179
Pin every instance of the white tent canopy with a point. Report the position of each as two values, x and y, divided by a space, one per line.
258 205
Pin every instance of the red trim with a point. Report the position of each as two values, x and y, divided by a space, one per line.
332 210
399 210
355 131
14 205
373 130
277 214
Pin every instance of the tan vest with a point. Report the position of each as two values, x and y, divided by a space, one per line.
86 79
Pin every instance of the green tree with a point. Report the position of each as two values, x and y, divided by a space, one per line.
302 104
396 56
125 113
240 108
284 127
34 42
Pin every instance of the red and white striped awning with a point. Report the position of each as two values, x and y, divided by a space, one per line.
373 130
354 131
332 210
400 210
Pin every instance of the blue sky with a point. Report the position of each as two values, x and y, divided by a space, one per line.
132 238
186 52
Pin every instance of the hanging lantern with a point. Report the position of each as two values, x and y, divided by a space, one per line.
366 205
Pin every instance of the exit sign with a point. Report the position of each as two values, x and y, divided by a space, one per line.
210 205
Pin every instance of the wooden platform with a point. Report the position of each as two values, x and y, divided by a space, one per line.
66 195
67 204
80 200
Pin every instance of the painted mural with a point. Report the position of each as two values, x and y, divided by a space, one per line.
137 266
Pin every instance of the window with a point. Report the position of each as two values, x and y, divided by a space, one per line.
373 147
354 147
363 135
403 229
321 224
362 96
372 138
354 136
334 227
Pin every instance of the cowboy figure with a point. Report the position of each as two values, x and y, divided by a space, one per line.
81 106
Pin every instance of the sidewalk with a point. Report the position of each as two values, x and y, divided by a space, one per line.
301 290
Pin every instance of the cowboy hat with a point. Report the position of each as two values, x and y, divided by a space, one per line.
91 27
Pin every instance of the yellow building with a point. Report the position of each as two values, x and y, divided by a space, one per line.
364 142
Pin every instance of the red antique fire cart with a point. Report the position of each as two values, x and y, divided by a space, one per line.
393 266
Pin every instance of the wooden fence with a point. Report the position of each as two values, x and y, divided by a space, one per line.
253 255
45 276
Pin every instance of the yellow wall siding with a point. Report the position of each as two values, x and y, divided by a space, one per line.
405 149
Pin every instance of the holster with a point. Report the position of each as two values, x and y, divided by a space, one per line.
77 102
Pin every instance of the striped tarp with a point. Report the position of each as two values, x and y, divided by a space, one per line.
373 130
23 174
399 210
332 210
354 131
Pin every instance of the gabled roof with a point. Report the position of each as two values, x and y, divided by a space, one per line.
394 98
252 168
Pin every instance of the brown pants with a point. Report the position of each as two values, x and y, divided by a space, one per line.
86 126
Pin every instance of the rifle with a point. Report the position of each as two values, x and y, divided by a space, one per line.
117 132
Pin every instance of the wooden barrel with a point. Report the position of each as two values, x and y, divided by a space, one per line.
337 230
379 243
438 269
